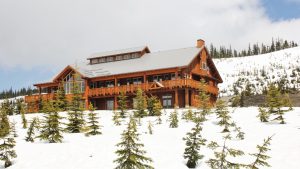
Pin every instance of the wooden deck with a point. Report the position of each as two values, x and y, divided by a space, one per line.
109 91
170 84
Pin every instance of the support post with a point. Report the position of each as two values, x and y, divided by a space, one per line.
186 98
86 94
176 105
115 102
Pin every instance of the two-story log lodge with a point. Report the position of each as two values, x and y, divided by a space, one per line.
173 76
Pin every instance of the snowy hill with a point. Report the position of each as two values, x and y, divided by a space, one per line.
260 70
165 146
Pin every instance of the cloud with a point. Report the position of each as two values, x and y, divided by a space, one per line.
56 33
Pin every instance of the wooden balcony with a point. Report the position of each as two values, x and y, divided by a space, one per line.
169 84
34 98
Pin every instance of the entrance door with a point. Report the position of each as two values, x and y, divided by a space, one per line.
109 104
167 101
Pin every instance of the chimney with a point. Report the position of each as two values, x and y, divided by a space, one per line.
200 43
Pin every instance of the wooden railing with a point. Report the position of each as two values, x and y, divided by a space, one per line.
34 98
169 84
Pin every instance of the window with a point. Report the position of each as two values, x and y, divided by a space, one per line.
110 104
101 60
94 61
126 57
173 76
119 57
109 83
204 66
167 101
110 59
69 82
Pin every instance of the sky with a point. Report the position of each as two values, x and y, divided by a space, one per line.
39 38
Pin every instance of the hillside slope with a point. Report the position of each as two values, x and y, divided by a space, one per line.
260 70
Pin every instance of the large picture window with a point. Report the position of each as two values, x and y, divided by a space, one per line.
69 82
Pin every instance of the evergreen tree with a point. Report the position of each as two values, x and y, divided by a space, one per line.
31 130
275 103
50 128
122 104
203 101
263 114
75 114
141 104
189 115
223 114
194 141
13 130
93 122
7 151
150 127
157 108
116 118
173 118
24 121
60 97
150 104
220 160
4 123
261 157
131 155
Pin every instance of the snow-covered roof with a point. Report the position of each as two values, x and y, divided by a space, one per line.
117 52
149 61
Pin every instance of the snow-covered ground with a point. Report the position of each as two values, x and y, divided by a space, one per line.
260 70
165 146
14 99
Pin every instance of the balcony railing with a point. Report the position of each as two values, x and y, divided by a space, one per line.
34 98
132 88
169 84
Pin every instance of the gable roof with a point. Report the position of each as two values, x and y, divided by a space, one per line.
149 61
118 52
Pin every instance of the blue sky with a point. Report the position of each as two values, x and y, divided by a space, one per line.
39 38
282 9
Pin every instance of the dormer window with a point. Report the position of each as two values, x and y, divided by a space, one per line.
101 60
110 59
119 57
204 66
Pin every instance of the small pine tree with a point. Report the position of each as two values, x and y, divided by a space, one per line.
7 151
24 121
31 130
75 114
4 123
275 103
141 104
116 118
203 100
263 114
131 155
122 104
194 141
150 127
60 97
50 128
93 123
223 114
240 134
173 118
157 108
189 115
13 130
261 156
220 160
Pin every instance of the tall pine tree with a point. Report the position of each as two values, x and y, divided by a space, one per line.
122 104
75 113
131 155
